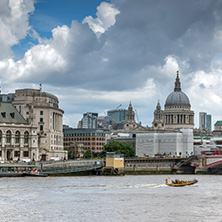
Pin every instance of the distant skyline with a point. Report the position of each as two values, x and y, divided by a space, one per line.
95 55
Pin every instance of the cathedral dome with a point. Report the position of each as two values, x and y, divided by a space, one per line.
177 97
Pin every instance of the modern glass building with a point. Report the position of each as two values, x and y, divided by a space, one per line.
202 120
209 124
205 121
118 115
89 120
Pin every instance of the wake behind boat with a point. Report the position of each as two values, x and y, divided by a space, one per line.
180 183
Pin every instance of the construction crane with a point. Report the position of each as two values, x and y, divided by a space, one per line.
118 107
115 109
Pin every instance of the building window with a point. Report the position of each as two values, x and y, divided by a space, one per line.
41 120
41 112
8 136
0 136
25 153
17 137
16 153
41 127
26 138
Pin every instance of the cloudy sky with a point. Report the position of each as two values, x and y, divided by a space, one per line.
95 55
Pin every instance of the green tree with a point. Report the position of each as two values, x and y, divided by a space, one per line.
69 154
88 154
120 148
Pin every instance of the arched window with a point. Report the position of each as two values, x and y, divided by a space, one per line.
17 137
8 136
26 138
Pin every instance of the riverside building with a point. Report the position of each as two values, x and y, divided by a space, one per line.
91 139
41 110
168 143
18 137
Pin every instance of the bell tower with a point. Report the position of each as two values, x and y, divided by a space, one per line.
130 119
158 118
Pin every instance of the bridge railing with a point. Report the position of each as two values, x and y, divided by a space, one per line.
71 166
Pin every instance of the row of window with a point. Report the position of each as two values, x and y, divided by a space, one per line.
84 134
84 139
17 153
17 137
98 144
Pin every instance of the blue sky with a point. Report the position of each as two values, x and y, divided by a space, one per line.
95 55
50 14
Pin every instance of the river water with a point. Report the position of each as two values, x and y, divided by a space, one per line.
99 198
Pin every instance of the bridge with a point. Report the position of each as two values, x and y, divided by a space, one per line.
71 166
52 168
204 163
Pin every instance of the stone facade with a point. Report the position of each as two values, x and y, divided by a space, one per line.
158 118
130 123
177 112
42 111
18 138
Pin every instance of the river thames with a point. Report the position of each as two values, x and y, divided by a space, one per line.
99 198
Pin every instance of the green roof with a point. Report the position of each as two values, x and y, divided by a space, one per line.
218 123
9 114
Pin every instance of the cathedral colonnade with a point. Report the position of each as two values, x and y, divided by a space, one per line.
178 119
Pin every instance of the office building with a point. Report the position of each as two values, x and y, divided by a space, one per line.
119 115
91 139
205 121
18 137
89 121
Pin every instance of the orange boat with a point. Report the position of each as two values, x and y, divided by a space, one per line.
181 183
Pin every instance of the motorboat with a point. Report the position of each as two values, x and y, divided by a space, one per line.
181 183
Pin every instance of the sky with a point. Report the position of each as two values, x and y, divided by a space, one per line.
95 55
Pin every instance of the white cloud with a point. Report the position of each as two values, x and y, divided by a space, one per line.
106 14
14 23
130 51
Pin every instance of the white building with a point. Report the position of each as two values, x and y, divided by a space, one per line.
167 143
